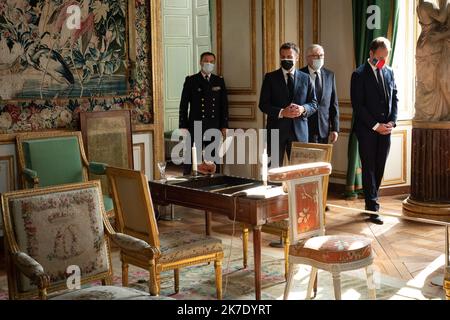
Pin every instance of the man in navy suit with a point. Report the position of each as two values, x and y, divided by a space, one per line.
374 102
324 124
288 99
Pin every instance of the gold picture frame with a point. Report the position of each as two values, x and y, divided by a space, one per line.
107 138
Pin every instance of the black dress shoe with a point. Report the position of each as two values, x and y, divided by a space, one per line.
376 219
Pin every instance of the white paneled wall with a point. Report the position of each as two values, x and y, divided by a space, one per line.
8 172
143 153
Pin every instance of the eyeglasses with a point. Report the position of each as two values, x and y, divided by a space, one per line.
317 56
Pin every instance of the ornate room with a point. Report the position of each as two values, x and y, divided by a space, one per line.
224 150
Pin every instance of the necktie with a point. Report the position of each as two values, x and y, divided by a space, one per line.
207 78
318 87
380 84
290 85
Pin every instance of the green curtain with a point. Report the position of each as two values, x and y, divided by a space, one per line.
362 36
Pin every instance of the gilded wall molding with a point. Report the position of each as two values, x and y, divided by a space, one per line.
269 31
316 21
404 175
282 21
251 105
219 29
141 148
157 81
301 30
11 182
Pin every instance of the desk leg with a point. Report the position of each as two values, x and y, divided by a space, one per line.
257 258
208 222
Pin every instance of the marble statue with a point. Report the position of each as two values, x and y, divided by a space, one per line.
433 62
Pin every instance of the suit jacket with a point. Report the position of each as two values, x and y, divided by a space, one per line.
368 102
207 102
275 96
327 117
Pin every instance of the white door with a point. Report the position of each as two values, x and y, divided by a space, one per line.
186 34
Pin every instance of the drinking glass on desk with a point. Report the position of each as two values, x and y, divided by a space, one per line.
162 170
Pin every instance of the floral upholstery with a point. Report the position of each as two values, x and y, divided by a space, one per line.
30 267
282 225
108 293
126 242
61 229
177 245
333 249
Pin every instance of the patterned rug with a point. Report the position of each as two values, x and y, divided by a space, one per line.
198 282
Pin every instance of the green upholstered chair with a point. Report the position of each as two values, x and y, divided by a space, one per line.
51 232
54 158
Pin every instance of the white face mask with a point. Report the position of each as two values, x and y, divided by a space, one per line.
318 64
208 68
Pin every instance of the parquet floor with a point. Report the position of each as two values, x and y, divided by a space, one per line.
402 249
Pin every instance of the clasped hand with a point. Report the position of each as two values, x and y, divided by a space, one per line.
293 111
385 128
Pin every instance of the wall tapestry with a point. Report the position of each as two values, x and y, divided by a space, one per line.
49 72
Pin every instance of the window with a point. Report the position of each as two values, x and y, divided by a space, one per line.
404 64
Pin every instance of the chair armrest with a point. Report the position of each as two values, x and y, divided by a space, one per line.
31 176
97 168
31 269
132 244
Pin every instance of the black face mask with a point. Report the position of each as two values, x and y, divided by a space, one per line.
287 64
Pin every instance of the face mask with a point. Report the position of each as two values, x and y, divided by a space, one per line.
378 63
287 64
208 68
317 64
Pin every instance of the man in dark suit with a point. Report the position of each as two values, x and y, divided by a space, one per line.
288 99
324 124
204 99
374 102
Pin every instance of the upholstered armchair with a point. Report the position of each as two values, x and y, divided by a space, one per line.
308 243
52 231
55 158
300 153
156 252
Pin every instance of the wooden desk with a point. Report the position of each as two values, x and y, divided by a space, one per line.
240 199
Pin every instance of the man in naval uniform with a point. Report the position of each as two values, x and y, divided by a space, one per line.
204 99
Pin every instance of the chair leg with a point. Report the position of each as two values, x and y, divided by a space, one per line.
286 255
108 281
176 275
124 274
154 281
292 270
208 223
312 280
315 286
218 272
371 283
337 285
245 244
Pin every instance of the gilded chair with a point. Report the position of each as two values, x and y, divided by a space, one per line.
55 158
57 238
309 244
301 153
167 251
